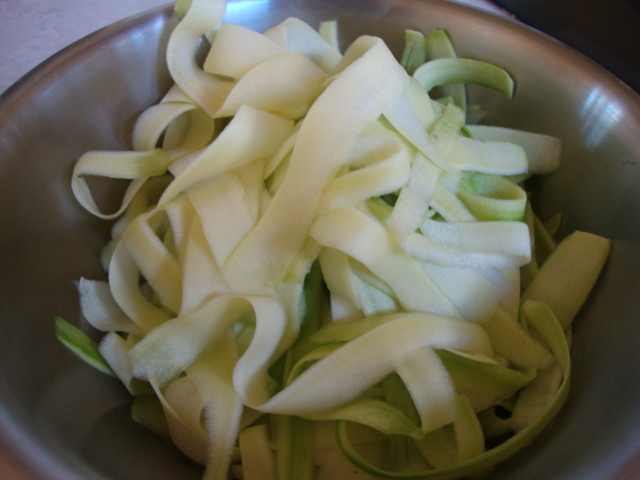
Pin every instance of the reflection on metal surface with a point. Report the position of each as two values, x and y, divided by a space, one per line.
247 8
600 114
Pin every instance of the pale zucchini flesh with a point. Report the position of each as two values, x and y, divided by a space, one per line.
310 239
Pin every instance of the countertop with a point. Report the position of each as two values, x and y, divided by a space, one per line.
33 30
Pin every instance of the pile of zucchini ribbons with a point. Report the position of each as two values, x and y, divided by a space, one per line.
319 259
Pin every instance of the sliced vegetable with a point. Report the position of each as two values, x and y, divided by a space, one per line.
414 53
569 274
82 345
442 71
258 462
147 411
438 45
277 151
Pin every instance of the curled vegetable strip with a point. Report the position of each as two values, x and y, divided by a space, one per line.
256 452
143 200
206 90
211 375
403 117
473 295
512 341
469 435
124 277
449 206
236 50
422 247
412 205
438 45
223 213
501 158
182 407
101 310
157 264
442 71
136 166
379 178
481 379
445 130
543 151
338 275
510 238
115 350
185 127
430 387
414 53
156 120
491 197
142 252
498 244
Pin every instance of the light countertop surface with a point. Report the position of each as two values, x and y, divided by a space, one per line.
33 30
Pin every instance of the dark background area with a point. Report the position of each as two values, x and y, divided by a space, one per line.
607 31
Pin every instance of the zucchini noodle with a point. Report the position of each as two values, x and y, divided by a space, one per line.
313 238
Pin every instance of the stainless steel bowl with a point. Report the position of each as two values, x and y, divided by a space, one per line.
63 420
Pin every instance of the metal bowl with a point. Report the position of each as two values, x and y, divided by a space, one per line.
63 420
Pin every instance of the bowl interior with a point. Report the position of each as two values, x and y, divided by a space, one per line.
67 421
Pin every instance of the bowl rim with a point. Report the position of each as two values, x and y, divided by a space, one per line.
20 444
